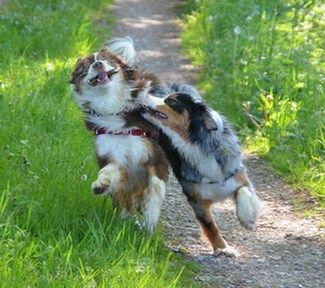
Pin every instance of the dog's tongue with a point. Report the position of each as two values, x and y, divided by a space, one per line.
102 76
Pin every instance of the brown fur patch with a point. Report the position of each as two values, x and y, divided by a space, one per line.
131 198
139 80
242 178
137 197
176 121
80 71
157 165
138 87
122 198
114 59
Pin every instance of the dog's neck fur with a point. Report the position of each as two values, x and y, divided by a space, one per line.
193 154
105 104
206 156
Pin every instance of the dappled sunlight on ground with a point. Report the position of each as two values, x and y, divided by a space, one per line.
285 250
155 32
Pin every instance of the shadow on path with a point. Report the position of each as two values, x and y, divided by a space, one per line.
285 251
155 29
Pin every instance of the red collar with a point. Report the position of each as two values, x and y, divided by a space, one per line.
133 132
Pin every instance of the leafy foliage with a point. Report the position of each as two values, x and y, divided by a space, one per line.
262 67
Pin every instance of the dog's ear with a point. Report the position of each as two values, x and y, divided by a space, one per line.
76 71
209 121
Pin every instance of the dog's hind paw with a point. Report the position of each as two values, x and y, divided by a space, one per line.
228 251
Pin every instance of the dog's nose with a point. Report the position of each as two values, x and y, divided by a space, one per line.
98 64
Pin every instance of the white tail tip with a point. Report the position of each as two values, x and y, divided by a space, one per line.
248 207
124 47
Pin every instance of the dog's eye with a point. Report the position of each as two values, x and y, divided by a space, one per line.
171 102
84 68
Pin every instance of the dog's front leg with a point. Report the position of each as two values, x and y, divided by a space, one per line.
108 180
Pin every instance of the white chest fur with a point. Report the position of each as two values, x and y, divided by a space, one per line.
124 150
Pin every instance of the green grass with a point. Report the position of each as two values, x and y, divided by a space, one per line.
53 231
263 66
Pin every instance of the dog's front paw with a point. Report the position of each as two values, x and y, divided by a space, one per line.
100 186
228 251
108 180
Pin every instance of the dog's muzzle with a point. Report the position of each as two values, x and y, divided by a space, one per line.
102 77
155 113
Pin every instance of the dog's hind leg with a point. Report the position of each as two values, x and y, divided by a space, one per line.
204 216
156 196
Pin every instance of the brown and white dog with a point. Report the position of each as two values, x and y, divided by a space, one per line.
133 168
206 158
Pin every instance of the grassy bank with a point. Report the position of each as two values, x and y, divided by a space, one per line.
261 66
53 231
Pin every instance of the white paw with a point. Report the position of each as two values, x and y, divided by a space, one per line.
100 185
228 251
149 224
107 181
139 224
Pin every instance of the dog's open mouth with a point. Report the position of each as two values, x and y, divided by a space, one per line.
102 77
155 113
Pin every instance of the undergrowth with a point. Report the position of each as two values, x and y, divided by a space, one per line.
263 67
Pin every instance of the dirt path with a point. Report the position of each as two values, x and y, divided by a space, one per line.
285 251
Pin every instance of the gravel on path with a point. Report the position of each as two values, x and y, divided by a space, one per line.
286 250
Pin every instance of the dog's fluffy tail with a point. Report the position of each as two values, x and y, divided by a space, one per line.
123 47
248 207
